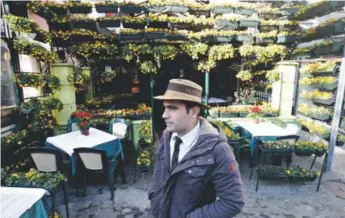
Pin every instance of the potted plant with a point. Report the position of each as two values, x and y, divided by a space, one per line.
108 76
59 9
218 36
199 9
160 21
223 9
319 130
231 22
52 81
340 140
177 35
57 24
269 25
79 7
82 35
83 121
266 38
300 174
249 23
255 113
270 172
194 50
148 67
244 75
107 7
29 79
285 37
318 68
278 146
306 148
328 83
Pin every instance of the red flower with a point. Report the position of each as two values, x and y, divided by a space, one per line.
255 109
80 114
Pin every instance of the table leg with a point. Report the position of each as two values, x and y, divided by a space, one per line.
322 170
312 164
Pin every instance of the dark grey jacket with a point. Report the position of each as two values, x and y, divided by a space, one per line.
206 183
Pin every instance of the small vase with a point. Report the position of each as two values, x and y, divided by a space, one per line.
85 132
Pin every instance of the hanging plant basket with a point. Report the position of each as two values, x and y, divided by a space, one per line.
227 23
176 37
155 35
158 24
249 23
286 39
288 11
244 11
265 40
109 23
339 28
110 8
322 117
157 9
59 26
227 115
244 38
128 36
128 9
219 39
303 153
80 9
90 25
328 87
329 101
222 10
178 8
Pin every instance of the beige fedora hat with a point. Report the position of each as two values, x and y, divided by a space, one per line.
182 89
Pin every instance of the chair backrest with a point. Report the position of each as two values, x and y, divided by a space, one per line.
289 138
46 159
292 129
92 159
72 125
119 130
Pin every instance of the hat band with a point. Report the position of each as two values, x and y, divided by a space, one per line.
184 89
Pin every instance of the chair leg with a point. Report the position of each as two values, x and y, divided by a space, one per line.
65 198
53 203
122 170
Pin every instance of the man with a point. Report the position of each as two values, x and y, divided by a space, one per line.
195 174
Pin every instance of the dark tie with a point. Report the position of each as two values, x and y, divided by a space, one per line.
174 160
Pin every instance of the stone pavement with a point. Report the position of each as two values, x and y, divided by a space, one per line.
273 198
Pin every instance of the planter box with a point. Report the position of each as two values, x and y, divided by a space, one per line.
266 28
199 12
286 39
245 38
303 153
243 114
182 26
227 23
155 35
199 27
288 11
227 115
249 23
328 87
265 40
59 26
125 36
339 143
127 9
271 177
301 179
222 10
244 11
107 8
214 114
176 37
80 9
134 25
319 153
157 24
81 38
219 39
342 123
178 8
91 25
324 31
59 11
329 101
157 9
60 43
321 117
109 23
339 28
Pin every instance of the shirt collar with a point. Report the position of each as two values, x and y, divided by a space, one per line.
190 137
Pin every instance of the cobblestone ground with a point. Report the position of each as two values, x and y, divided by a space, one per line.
273 198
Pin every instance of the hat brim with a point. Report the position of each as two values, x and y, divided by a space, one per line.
163 97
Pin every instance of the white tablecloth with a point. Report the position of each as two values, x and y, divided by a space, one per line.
16 201
67 142
263 129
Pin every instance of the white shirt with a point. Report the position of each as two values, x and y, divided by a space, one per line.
188 141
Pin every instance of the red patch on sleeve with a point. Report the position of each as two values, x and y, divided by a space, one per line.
232 167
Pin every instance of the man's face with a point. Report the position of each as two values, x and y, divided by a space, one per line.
176 117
